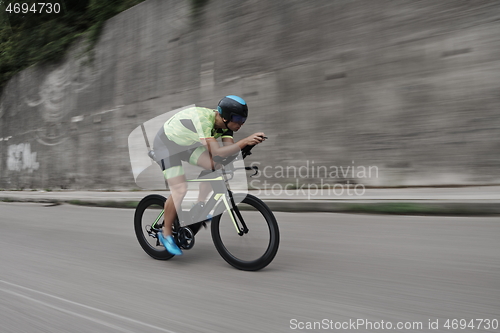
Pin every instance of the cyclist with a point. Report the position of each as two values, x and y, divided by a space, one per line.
190 135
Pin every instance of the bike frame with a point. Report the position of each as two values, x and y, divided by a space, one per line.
221 192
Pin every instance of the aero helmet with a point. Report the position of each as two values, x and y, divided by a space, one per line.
233 108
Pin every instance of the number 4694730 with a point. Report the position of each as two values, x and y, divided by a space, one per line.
37 7
487 324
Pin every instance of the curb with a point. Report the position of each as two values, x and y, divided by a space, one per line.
77 202
390 207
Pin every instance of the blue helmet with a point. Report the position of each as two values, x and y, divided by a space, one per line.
231 106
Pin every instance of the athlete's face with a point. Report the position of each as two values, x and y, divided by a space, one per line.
234 126
236 122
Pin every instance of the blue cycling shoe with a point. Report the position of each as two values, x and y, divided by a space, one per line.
169 244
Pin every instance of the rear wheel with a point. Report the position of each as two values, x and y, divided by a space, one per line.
255 249
148 220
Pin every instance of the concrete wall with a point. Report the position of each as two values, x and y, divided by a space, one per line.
408 88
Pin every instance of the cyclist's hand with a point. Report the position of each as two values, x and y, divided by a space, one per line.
256 138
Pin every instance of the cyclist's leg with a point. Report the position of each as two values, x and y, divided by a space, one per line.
169 157
178 190
201 158
205 189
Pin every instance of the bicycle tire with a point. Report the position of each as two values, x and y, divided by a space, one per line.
263 229
145 214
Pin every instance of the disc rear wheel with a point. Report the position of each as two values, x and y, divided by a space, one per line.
148 221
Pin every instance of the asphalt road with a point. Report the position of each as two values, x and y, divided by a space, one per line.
76 269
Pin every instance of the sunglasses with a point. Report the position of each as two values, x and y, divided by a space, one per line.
240 120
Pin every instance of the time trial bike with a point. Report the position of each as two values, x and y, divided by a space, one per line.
244 229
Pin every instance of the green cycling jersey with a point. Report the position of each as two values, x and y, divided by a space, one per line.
190 126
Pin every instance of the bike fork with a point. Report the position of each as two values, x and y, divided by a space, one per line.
235 212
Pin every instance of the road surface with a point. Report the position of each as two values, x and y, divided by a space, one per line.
79 269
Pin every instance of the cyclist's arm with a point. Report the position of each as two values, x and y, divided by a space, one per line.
227 141
230 147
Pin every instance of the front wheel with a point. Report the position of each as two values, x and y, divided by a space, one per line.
253 250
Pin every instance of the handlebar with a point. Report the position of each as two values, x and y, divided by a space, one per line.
246 151
255 168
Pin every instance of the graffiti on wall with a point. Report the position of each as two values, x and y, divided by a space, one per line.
56 98
21 158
